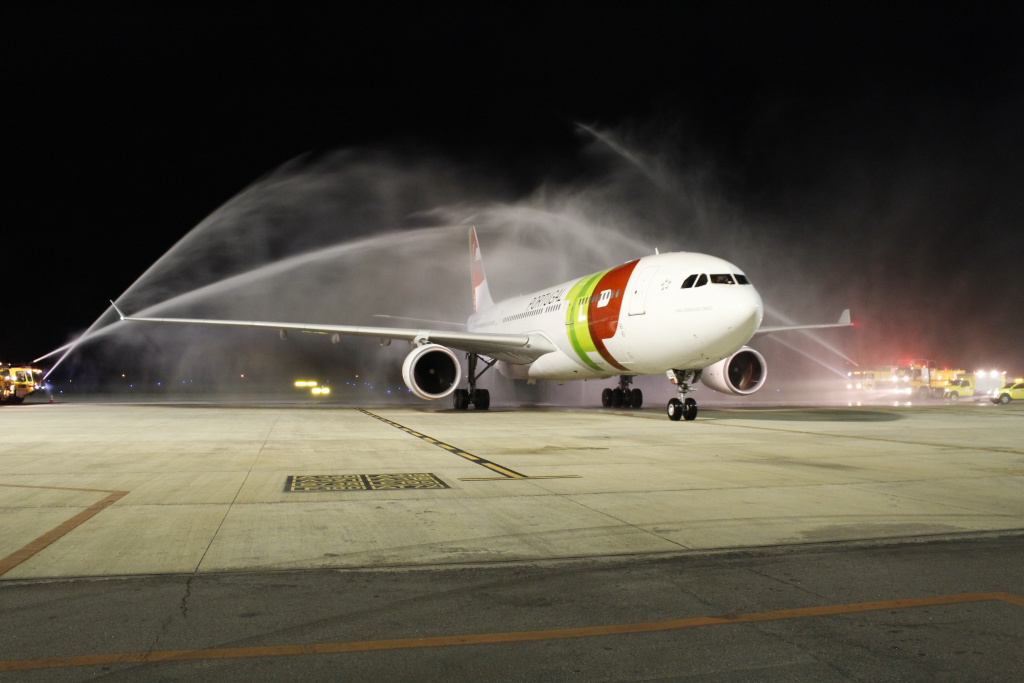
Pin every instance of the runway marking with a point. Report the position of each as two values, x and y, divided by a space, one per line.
507 637
18 556
506 473
301 483
867 438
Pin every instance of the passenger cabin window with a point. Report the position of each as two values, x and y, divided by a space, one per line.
722 279
702 280
688 282
742 279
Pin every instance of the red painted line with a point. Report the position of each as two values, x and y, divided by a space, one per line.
18 556
492 638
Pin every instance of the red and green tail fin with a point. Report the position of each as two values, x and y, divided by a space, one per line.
481 294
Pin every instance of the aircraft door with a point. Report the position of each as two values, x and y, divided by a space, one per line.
637 302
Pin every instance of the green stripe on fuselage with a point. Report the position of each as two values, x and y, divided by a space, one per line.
579 331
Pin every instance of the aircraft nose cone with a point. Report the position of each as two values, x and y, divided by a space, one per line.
746 309
755 297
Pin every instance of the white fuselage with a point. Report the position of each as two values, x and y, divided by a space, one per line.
634 319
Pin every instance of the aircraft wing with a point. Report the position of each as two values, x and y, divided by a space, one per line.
515 348
844 321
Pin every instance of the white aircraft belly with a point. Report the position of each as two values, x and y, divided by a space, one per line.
558 365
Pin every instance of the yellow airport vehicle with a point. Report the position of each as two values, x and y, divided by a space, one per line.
17 382
870 379
920 377
964 386
1011 392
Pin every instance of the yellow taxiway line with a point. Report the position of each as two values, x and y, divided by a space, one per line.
207 654
18 556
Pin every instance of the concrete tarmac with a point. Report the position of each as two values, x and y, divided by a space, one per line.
130 532
933 614
202 489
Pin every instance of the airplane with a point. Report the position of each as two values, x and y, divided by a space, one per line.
686 315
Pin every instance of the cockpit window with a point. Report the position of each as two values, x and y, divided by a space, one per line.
722 279
702 280
688 282
742 279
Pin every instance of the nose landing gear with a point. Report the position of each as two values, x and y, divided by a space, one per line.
682 408
481 398
622 396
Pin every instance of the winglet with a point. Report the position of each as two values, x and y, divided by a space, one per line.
844 319
119 313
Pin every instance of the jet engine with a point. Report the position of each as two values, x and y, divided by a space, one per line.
431 371
740 374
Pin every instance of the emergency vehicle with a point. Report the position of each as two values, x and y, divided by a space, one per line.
918 377
964 386
17 382
1011 392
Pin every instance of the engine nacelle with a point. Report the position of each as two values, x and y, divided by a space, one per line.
742 373
431 371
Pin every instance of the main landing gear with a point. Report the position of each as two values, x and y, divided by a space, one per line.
481 398
622 396
682 408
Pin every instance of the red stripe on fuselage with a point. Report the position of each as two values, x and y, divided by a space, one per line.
603 322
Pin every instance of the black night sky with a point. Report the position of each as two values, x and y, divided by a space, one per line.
890 137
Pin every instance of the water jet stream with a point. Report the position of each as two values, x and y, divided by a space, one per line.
805 354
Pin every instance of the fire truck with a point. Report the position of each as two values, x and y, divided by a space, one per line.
917 377
17 382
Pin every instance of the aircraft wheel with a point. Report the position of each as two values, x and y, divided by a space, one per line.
616 398
675 410
627 398
606 397
460 399
482 400
637 398
954 397
690 409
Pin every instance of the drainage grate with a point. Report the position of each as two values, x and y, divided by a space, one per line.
362 482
